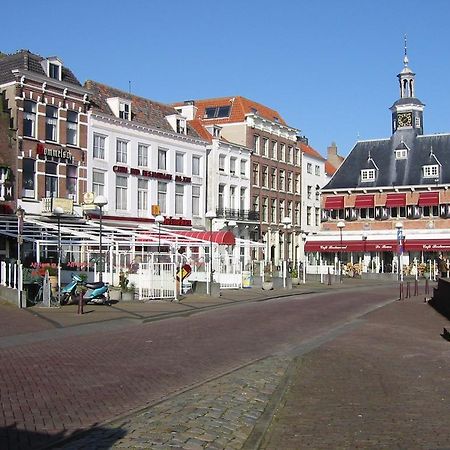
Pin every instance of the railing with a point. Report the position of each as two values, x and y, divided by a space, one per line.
237 214
11 276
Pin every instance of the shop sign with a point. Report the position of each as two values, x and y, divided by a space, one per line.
150 174
59 153
177 222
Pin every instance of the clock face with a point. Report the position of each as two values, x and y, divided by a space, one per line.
404 120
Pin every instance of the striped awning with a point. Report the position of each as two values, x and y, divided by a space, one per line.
365 201
430 198
334 202
395 200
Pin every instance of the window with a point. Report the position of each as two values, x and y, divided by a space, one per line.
121 151
221 196
297 213
124 111
297 183
255 203
99 146
282 181
431 171
142 195
401 153
243 167
317 170
289 210
273 150
51 179
282 213
179 162
368 175
142 155
232 197
121 192
162 159
51 122
54 71
28 178
72 127
221 163
309 167
242 199
162 196
29 118
282 155
265 205
256 144
195 200
265 149
273 178
297 156
213 112
317 193
289 181
308 215
417 122
98 183
233 166
273 210
179 199
309 192
317 214
256 174
71 182
181 126
196 165
265 175
290 155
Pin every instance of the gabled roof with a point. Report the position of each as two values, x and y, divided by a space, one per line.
25 60
392 172
329 168
197 125
307 149
143 111
240 106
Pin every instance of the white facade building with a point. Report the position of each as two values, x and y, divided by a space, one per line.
142 154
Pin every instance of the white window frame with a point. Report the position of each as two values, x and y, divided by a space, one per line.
162 196
179 199
121 151
142 155
179 162
121 193
162 159
196 200
368 175
196 161
401 153
221 163
98 182
142 194
430 171
98 150
72 127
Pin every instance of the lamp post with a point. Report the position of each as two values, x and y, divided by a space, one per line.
286 221
340 225
20 213
399 226
159 219
210 215
58 212
304 235
364 238
100 201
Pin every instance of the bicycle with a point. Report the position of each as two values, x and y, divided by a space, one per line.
38 299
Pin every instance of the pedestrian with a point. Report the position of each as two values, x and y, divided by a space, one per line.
442 266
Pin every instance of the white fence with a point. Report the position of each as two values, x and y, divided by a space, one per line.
11 276
156 281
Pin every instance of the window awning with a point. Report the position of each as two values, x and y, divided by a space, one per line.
429 198
395 200
365 201
334 202
219 237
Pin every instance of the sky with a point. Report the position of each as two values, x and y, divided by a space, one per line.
328 67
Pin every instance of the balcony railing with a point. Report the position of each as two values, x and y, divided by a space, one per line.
237 214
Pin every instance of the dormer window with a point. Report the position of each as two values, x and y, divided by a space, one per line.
53 68
214 112
181 126
368 175
401 153
124 111
431 171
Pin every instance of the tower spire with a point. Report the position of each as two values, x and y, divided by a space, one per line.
405 58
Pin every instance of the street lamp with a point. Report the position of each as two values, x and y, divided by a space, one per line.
304 235
399 226
100 201
364 238
20 213
159 219
58 212
286 221
210 215
340 225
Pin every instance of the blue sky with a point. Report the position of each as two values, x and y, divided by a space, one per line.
328 67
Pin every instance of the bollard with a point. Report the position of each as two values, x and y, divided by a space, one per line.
416 288
329 277
80 303
408 290
401 291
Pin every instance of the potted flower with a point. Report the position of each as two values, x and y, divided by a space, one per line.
127 289
294 276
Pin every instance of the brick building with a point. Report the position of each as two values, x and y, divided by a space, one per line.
389 202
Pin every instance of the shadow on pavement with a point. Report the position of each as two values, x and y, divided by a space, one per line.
12 438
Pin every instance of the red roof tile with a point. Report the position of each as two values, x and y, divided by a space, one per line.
310 151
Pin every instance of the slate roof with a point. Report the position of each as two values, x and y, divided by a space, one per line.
143 111
25 60
422 150
240 106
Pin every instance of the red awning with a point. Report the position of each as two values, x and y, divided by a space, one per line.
219 237
436 245
395 200
429 198
334 202
365 201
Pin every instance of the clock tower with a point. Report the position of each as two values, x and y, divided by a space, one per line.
407 111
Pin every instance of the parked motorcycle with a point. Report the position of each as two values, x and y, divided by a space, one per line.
97 292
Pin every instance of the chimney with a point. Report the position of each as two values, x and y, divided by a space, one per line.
332 155
188 110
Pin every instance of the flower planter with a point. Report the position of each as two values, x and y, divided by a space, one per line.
267 285
115 295
128 296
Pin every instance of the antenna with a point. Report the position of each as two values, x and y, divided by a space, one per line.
405 58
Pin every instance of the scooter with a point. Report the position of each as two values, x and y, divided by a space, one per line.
97 292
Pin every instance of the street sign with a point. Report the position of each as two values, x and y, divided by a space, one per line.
184 272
